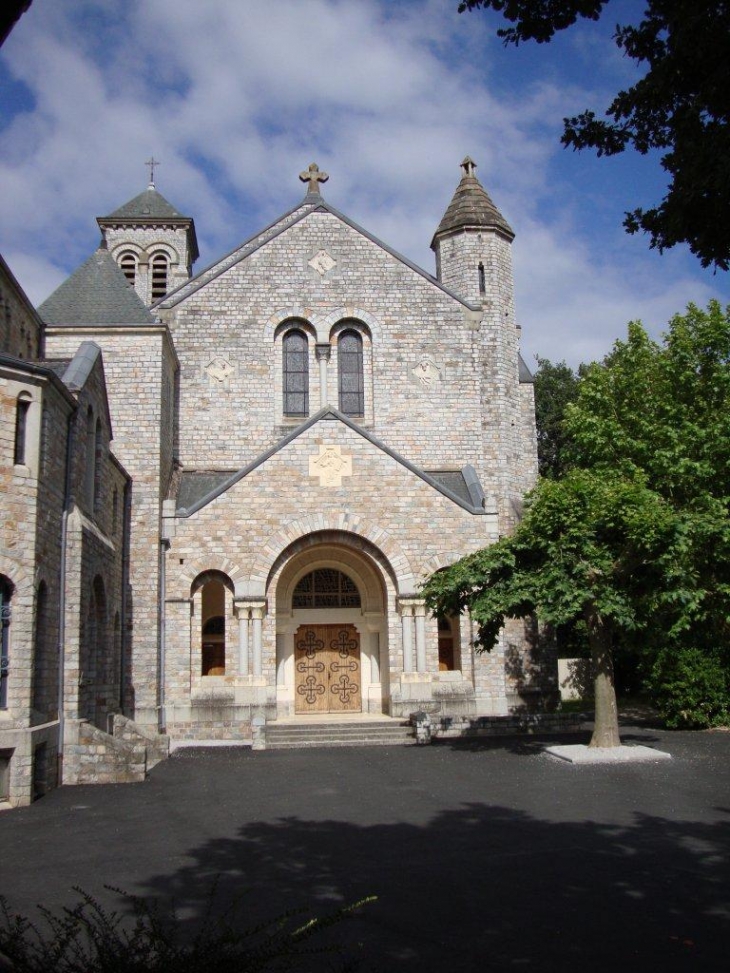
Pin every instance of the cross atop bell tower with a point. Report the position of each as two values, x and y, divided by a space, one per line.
313 176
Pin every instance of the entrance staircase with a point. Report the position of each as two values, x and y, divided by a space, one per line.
338 733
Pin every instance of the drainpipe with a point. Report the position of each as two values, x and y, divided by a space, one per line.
161 716
126 533
67 500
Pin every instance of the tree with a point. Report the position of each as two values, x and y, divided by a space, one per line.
661 412
556 385
588 548
635 538
681 107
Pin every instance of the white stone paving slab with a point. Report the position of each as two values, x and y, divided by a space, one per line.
579 753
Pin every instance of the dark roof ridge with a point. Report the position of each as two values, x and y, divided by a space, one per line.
328 412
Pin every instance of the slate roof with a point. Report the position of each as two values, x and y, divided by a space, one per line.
152 207
471 206
96 293
148 205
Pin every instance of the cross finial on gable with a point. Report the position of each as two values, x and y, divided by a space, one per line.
152 162
313 176
468 165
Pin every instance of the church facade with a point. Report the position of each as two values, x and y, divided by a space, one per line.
302 433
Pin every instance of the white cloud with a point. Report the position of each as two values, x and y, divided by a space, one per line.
236 99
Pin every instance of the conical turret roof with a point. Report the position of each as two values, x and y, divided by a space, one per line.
96 293
471 206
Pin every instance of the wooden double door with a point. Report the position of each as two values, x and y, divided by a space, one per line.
327 669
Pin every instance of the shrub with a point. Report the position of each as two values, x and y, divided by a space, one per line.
90 939
690 688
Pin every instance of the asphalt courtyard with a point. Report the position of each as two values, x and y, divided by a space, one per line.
484 855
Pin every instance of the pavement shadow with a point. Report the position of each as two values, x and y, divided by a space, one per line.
482 888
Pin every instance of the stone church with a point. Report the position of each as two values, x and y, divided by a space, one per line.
224 489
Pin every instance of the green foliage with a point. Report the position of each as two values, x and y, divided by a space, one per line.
556 386
660 412
680 106
635 538
90 939
592 539
691 689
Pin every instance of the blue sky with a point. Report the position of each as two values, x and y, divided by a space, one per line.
236 98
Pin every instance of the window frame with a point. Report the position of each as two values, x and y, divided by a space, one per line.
288 373
356 358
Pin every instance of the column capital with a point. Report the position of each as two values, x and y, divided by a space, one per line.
323 350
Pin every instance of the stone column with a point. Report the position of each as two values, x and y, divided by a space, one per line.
375 657
257 614
323 353
243 641
406 614
420 612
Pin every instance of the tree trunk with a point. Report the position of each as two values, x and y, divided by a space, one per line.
605 731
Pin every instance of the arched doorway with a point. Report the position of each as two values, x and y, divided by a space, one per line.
331 624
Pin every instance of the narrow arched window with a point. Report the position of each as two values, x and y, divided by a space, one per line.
6 593
21 428
296 374
350 368
213 632
128 264
160 267
482 281
98 465
448 630
90 471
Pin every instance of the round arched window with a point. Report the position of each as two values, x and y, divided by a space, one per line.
326 588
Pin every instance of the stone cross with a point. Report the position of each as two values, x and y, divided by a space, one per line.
313 176
468 165
330 466
152 162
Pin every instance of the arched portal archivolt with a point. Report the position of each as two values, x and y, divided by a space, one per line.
342 528
199 565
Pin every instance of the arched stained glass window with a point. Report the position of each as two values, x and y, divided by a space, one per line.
296 374
350 367
326 588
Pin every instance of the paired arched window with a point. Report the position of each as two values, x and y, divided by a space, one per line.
160 270
351 378
22 407
296 373
128 265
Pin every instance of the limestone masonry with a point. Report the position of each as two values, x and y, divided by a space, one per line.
222 492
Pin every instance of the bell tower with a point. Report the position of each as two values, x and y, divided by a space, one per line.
153 244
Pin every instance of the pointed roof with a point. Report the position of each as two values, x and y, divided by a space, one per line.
471 207
151 207
96 293
148 205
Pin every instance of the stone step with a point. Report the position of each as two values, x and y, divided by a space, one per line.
338 735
